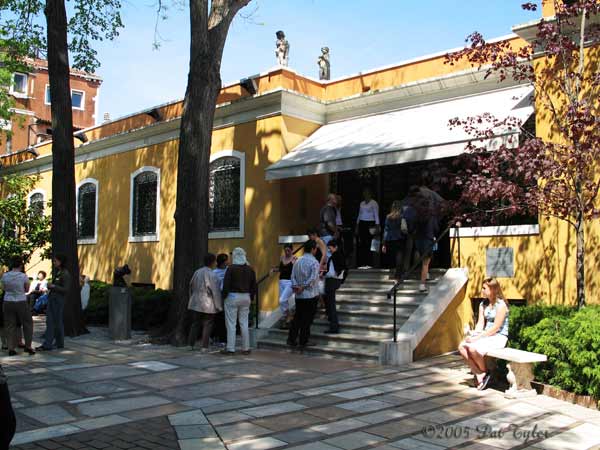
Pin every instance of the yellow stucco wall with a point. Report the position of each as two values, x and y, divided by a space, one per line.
447 332
544 264
263 142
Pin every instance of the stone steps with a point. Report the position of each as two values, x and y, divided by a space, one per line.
365 316
329 350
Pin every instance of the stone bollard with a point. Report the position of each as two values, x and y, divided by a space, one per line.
119 313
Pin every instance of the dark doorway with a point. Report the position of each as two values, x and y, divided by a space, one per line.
390 183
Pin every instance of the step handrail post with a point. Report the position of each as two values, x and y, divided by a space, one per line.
395 333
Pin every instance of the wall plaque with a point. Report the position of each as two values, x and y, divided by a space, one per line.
500 262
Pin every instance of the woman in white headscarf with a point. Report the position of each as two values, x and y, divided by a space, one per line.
239 289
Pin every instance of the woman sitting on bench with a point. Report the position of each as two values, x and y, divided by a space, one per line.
491 331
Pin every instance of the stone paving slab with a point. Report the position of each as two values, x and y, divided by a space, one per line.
97 393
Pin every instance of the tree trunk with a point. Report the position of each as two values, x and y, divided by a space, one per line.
580 264
64 237
208 35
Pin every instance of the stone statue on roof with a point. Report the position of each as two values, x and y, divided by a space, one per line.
282 49
324 65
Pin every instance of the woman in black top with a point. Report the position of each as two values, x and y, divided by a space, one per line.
285 284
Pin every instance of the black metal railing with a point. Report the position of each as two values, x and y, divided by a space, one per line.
392 293
259 282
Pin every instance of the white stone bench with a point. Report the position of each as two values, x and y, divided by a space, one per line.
520 370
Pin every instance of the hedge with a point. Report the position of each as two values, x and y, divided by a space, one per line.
150 307
571 340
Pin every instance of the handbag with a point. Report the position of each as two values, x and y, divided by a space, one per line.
321 286
375 245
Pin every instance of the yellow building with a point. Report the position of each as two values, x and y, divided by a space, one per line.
278 150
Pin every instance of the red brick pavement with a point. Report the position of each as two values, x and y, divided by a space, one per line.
149 434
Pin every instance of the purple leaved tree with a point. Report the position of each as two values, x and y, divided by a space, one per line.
555 175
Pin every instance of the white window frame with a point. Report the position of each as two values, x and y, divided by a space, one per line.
32 193
82 99
150 237
242 157
12 86
46 95
94 240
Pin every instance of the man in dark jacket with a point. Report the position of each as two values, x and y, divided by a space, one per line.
7 416
334 276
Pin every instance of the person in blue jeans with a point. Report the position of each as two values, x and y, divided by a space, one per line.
61 282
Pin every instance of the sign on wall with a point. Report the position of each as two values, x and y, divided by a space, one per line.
500 262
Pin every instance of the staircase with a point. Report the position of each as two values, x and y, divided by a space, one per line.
365 315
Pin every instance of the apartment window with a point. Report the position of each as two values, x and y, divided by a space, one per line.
19 85
87 211
226 195
145 189
77 99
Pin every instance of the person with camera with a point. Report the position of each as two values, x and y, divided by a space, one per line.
59 288
17 315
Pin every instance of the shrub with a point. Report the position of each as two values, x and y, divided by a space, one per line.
572 343
149 309
523 317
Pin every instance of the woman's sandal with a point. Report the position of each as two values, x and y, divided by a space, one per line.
484 382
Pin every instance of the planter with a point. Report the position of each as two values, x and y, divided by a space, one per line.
581 400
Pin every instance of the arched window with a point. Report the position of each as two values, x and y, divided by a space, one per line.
145 188
36 202
226 195
87 211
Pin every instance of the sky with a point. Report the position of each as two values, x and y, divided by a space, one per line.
361 34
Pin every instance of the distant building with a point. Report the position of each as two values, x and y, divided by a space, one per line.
31 122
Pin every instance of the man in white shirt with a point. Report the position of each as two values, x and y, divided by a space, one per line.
305 277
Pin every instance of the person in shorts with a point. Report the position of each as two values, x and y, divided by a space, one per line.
491 331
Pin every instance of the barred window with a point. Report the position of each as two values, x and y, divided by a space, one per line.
224 194
36 203
86 211
145 191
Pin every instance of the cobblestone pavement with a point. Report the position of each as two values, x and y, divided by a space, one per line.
125 395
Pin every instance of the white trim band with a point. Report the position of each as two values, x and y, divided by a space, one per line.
293 239
501 230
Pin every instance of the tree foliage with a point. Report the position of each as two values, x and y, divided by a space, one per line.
555 175
24 230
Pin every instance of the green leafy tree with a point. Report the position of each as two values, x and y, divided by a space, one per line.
24 229
33 27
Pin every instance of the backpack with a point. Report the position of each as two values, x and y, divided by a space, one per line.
409 219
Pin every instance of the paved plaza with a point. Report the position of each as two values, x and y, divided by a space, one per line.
97 394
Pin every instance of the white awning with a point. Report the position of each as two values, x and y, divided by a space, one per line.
408 135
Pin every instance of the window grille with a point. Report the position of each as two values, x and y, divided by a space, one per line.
224 195
36 203
86 211
144 203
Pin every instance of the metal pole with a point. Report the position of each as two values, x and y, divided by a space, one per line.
395 334
458 239
257 309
